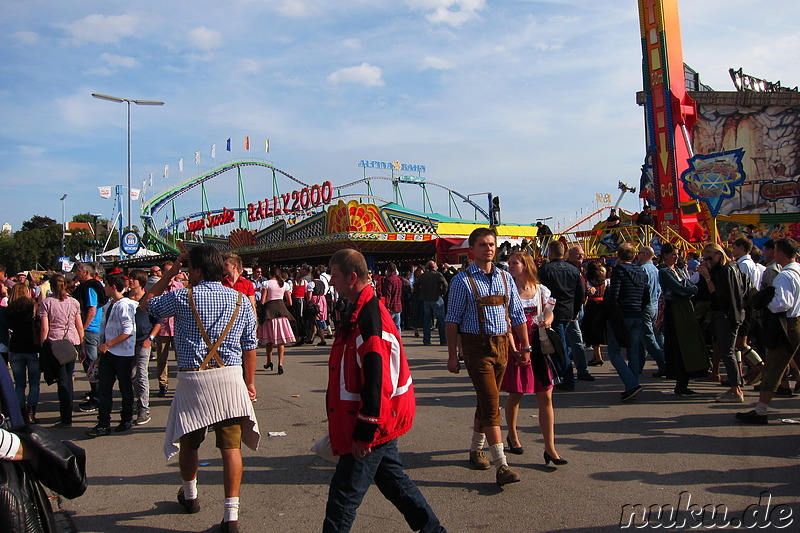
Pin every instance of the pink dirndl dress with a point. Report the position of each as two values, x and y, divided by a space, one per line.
523 379
168 324
275 330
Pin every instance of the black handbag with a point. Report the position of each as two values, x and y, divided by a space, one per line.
63 349
58 464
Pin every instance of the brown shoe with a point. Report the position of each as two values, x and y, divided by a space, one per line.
190 506
229 527
505 475
479 460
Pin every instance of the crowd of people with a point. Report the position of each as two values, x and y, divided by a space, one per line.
517 325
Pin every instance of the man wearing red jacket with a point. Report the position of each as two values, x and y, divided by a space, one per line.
370 403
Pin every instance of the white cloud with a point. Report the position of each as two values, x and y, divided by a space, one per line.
26 150
25 37
364 74
119 61
204 38
450 12
248 66
352 44
101 28
436 63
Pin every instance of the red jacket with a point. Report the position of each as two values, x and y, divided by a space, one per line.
370 395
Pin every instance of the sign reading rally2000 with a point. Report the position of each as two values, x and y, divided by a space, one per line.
291 202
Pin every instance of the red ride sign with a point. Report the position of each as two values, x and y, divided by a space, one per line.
292 202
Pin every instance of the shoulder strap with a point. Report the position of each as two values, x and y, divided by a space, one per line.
212 348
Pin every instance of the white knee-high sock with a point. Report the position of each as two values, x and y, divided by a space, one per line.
231 509
498 455
190 489
478 440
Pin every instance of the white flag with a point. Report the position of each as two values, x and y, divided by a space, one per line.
150 183
197 157
213 151
144 186
105 192
135 194
180 165
166 171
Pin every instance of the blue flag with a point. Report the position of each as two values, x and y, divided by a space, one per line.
228 147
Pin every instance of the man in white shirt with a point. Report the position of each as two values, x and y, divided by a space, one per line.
787 340
741 253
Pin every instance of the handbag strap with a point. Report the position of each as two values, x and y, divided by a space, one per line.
212 347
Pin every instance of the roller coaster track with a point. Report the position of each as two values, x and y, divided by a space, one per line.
480 210
157 203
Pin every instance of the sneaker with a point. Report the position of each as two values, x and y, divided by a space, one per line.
98 431
229 527
630 394
784 391
123 426
88 406
505 475
162 391
585 377
751 417
142 418
730 397
190 506
479 460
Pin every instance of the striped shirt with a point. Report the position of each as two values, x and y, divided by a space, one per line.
628 288
462 309
9 445
215 304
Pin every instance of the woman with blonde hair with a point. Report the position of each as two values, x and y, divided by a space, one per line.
61 319
24 350
724 282
536 378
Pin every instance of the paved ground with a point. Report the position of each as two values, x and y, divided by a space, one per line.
645 452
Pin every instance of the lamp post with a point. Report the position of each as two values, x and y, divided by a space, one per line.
63 224
127 101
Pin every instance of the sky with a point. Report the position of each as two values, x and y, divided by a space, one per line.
531 100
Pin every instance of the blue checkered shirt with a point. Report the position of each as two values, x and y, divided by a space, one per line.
462 309
215 304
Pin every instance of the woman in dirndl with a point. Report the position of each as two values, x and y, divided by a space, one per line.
276 330
685 351
536 378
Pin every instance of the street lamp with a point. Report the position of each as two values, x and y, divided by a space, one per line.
63 224
127 101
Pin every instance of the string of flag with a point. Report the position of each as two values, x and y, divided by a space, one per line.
105 191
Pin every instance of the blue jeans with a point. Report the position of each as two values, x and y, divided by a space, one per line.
565 369
353 478
91 340
115 368
396 317
629 373
575 341
21 364
650 344
431 310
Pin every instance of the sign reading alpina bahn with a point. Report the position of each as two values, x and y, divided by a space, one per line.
386 165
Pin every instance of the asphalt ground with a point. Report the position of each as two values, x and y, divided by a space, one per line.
657 451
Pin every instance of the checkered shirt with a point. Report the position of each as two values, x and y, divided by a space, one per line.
215 304
462 309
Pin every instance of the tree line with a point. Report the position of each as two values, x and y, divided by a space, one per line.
37 244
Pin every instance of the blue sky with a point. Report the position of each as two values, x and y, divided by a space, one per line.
531 100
